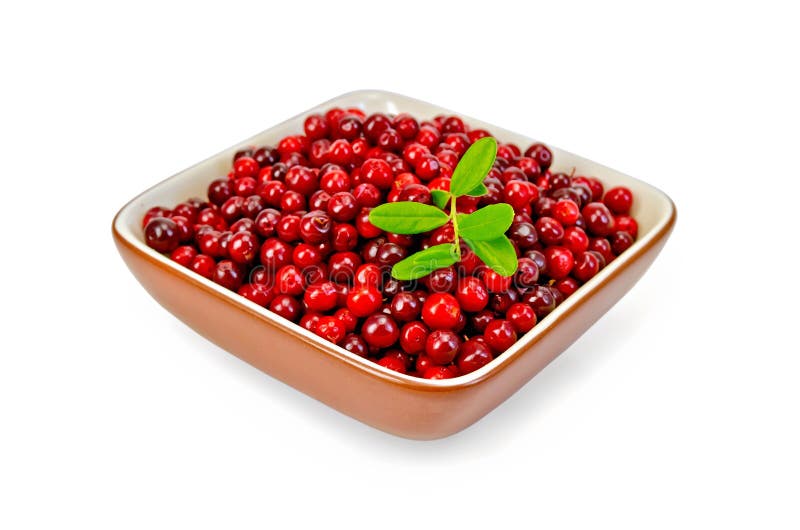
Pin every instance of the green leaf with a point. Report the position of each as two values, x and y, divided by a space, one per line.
479 191
473 166
425 262
407 217
440 198
489 222
498 254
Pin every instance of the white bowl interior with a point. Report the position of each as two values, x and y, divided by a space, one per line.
651 206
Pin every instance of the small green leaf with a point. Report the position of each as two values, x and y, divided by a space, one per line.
489 222
407 217
498 254
440 198
473 166
425 262
479 191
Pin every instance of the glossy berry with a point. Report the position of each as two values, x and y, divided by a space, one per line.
257 293
472 294
287 307
441 311
380 331
473 354
619 200
364 300
243 247
442 346
522 317
599 220
405 307
320 297
161 234
330 329
500 335
413 336
228 274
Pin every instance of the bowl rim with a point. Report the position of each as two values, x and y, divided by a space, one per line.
524 344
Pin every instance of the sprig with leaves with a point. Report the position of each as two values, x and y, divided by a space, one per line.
482 230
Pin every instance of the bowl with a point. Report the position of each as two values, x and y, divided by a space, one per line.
395 403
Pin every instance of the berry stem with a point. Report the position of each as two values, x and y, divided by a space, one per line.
454 220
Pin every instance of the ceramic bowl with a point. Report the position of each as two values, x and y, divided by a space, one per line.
399 404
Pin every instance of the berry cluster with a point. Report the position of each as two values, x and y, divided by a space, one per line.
288 228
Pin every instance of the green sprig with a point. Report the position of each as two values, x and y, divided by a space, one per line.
482 230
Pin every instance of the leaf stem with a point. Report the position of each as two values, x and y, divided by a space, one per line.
454 220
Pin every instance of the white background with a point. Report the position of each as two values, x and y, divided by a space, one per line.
679 409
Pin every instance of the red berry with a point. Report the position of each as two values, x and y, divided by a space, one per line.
243 247
500 335
619 200
566 212
413 336
380 331
330 329
522 317
364 300
320 297
441 311
559 262
495 282
473 355
184 255
378 173
442 346
289 280
257 293
161 234
203 265
599 220
472 294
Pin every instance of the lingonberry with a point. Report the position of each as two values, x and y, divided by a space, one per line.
316 127
575 240
559 262
380 330
275 254
288 228
500 302
219 191
245 186
626 223
292 201
348 319
549 230
344 237
522 317
472 294
620 242
355 344
266 156
619 200
405 307
413 336
243 247
319 200
244 225
364 300
442 346
367 195
439 372
342 266
320 296
257 293
519 194
566 212
598 218
442 280
287 307
184 255
441 311
378 173
161 234
228 274
310 320
330 329
566 286
495 282
603 246
392 362
500 335
305 255
267 221
541 154
315 227
524 235
527 273
473 354
586 266
289 280
541 299
203 265
368 274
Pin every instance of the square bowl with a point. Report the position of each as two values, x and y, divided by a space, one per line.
396 403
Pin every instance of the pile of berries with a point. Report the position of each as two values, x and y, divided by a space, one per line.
288 228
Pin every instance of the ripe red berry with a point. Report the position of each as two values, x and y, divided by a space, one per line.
380 331
413 336
522 317
364 300
500 335
559 262
330 329
441 311
473 355
442 346
161 234
320 296
619 200
243 247
472 294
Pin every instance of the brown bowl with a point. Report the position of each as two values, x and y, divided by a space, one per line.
393 402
